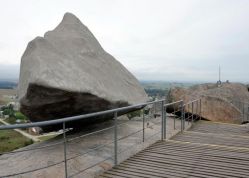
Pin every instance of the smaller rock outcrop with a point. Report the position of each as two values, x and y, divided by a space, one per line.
218 103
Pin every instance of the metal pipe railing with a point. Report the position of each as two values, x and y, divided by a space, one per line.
163 131
243 107
75 118
143 124
182 115
164 112
115 139
65 148
192 112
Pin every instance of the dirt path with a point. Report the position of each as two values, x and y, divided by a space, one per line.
25 134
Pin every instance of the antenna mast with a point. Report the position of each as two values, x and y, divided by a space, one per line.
219 74
219 81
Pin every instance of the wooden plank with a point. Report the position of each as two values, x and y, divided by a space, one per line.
112 174
193 146
215 134
216 154
197 161
182 163
212 145
108 175
187 167
195 165
150 172
162 172
227 159
137 173
214 142
207 150
183 170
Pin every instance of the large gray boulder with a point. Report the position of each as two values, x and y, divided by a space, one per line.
222 104
67 72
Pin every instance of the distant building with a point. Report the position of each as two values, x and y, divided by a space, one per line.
219 83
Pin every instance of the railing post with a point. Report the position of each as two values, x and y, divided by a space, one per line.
174 118
162 128
192 112
200 109
181 116
247 112
197 108
165 121
154 110
115 139
243 115
143 123
184 117
188 113
65 148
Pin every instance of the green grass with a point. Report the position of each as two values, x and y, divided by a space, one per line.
44 138
10 120
11 140
133 114
20 116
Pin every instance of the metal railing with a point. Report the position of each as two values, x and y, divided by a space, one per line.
243 107
185 112
193 109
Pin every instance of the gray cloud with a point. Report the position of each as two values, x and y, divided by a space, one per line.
156 40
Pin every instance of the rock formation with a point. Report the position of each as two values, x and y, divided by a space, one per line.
67 72
218 103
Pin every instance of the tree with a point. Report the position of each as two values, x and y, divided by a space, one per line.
9 110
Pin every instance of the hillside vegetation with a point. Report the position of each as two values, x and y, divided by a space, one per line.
11 140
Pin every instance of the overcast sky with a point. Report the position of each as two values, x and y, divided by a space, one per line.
177 40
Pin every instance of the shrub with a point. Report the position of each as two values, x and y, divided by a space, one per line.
146 111
134 114
5 111
8 110
20 116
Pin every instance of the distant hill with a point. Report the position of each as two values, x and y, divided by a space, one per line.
162 85
7 84
161 88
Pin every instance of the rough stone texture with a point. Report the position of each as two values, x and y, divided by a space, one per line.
218 103
67 72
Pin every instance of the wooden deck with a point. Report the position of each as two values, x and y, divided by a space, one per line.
207 150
